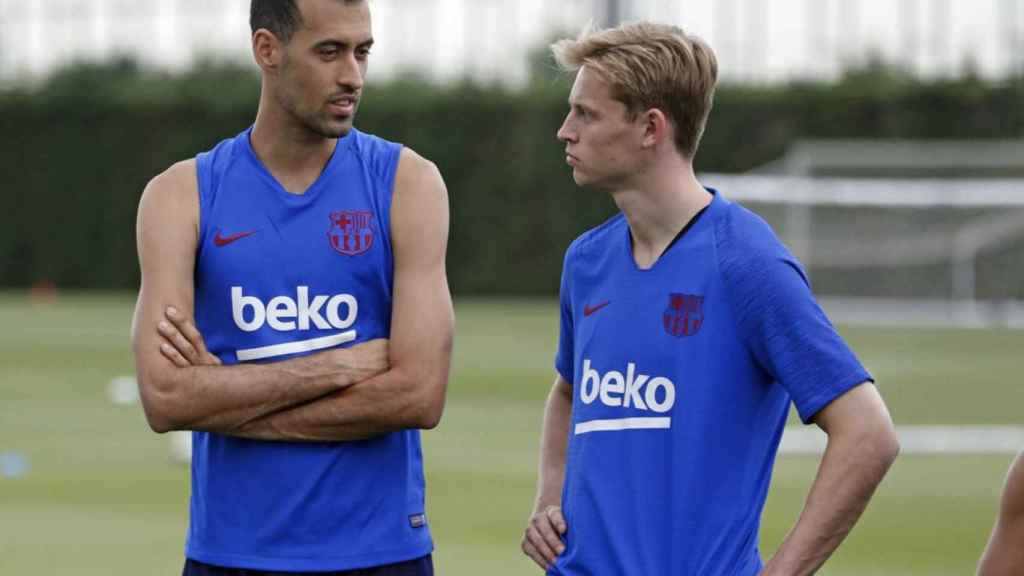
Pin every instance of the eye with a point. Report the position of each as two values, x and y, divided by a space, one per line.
362 53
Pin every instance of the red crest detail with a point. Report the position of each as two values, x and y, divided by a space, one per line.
684 315
351 232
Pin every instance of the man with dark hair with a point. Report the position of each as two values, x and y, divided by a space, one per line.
295 315
279 17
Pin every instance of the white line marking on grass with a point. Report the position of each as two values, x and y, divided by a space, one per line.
922 313
921 440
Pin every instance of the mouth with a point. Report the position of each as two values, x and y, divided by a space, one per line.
571 160
343 106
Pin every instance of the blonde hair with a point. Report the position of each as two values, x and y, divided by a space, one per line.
649 66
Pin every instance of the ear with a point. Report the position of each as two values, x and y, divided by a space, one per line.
655 125
267 50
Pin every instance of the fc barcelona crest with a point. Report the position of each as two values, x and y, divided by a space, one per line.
684 315
351 232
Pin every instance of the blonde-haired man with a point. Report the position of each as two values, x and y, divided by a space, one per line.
686 330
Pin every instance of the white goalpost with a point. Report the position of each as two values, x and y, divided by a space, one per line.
913 251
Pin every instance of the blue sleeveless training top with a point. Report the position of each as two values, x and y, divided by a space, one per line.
279 275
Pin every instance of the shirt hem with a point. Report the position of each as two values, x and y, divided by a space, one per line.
322 564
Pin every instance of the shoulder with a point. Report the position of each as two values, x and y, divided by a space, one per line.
176 185
596 239
169 208
739 230
412 165
747 246
379 154
366 142
419 206
416 176
758 273
223 153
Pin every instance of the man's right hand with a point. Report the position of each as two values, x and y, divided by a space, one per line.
542 541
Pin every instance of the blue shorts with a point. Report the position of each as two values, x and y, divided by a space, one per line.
419 567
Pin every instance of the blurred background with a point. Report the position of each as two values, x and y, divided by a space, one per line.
884 141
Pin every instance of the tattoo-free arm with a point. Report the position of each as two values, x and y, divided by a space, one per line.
542 539
210 397
862 445
411 393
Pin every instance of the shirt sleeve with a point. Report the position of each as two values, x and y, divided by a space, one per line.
564 356
783 326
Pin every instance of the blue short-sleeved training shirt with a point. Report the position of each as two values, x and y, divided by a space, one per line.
682 377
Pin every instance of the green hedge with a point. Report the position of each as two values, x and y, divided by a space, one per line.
77 151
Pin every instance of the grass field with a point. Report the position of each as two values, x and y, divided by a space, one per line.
101 496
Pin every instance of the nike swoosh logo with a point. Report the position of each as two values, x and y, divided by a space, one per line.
222 241
588 310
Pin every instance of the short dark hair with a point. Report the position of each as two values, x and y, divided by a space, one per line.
281 17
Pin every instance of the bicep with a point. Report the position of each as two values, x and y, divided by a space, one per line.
166 237
422 323
860 407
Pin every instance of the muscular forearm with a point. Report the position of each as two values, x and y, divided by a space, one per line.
553 445
543 537
394 400
224 398
851 469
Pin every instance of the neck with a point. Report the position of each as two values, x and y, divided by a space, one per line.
658 203
293 154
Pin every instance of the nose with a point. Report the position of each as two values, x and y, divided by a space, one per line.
350 72
566 133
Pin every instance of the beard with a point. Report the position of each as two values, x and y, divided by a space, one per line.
315 119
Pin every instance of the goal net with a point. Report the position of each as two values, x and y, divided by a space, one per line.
900 250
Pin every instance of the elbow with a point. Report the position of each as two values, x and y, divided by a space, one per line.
159 416
883 445
430 404
890 445
875 445
158 422
429 418
159 404
429 412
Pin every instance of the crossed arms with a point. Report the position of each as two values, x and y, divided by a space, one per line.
336 395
